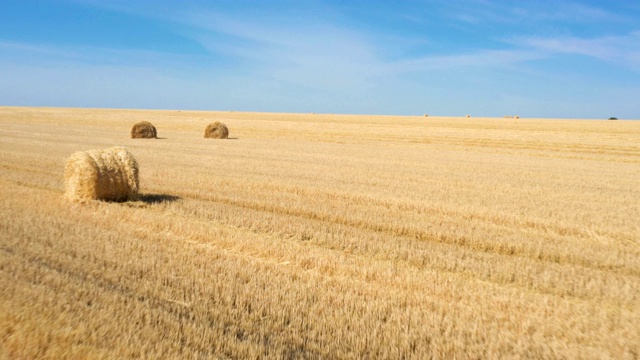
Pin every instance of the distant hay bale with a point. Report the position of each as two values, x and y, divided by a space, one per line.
216 130
109 174
468 116
517 117
426 115
144 130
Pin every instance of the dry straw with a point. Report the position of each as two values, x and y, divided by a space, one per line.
110 174
144 130
216 130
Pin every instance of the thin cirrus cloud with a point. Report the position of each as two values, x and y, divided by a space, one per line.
329 53
623 50
478 59
316 54
532 13
310 37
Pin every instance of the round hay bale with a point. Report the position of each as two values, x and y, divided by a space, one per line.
468 116
109 174
144 130
216 130
426 115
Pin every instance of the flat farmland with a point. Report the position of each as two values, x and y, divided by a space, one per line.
323 236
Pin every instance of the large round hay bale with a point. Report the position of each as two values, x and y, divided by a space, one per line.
110 174
216 130
143 130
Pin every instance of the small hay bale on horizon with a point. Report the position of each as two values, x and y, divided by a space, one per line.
468 115
144 130
216 130
104 174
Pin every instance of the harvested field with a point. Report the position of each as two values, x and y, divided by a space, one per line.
323 236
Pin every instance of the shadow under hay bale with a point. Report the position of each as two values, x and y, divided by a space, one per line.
144 130
157 198
216 130
110 174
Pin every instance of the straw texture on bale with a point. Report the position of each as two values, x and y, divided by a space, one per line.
143 130
109 174
216 130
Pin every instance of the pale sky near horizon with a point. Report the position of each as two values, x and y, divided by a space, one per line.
558 59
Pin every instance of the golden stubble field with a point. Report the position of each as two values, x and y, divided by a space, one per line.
323 236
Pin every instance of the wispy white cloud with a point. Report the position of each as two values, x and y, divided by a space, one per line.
14 47
42 53
305 50
622 50
476 59
312 46
564 11
328 55
531 12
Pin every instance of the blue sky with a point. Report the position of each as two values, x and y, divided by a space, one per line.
571 59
